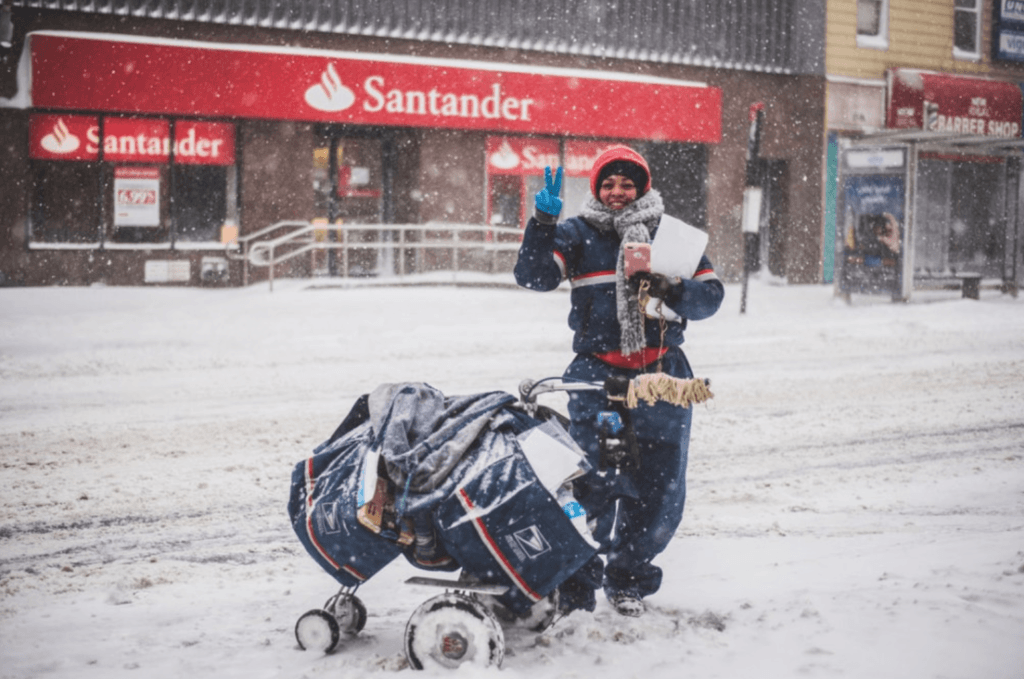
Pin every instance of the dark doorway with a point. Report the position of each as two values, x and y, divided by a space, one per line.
774 215
680 172
349 186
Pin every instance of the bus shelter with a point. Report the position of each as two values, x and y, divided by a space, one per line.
919 210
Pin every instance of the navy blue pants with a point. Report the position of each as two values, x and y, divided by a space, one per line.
637 512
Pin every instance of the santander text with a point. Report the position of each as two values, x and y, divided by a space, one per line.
444 104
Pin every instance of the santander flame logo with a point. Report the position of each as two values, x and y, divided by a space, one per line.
60 140
330 94
505 158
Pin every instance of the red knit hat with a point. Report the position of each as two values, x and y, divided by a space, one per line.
621 160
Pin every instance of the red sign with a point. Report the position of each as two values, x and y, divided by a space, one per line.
137 173
199 143
521 155
136 197
70 137
218 80
63 137
580 156
953 104
136 139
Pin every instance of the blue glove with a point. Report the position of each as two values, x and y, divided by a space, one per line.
547 199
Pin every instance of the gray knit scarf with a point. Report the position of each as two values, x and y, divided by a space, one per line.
633 224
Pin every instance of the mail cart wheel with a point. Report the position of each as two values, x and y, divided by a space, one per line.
317 630
348 611
451 630
540 616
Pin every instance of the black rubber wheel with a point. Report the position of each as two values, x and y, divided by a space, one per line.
349 611
317 630
540 616
451 630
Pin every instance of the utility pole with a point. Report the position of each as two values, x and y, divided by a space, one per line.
751 223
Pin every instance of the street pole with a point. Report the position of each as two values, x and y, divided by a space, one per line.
752 196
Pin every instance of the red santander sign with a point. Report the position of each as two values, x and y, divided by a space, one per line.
128 140
521 155
525 156
174 78
57 137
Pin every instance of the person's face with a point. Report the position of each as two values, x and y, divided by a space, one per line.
616 191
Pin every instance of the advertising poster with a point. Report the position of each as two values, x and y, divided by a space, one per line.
137 196
871 233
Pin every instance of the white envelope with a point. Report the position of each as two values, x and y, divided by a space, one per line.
675 252
553 461
677 248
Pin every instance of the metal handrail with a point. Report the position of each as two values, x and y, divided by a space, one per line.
237 249
302 237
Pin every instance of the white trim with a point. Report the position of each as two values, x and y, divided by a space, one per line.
196 245
962 54
863 82
64 246
475 519
873 42
23 77
187 246
585 281
560 263
310 508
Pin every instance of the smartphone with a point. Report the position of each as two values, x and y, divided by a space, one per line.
637 258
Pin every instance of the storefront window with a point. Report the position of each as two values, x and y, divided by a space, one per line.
201 200
65 208
506 201
120 181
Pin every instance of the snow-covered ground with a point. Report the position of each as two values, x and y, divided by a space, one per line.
856 487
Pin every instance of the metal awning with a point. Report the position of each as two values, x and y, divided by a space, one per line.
943 141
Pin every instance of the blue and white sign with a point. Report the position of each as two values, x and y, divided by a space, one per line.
879 159
1011 10
1008 32
1011 45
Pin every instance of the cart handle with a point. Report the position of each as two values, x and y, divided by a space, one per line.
649 387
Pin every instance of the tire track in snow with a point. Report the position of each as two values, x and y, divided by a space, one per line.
868 453
185 536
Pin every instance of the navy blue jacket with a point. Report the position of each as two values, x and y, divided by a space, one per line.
586 256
